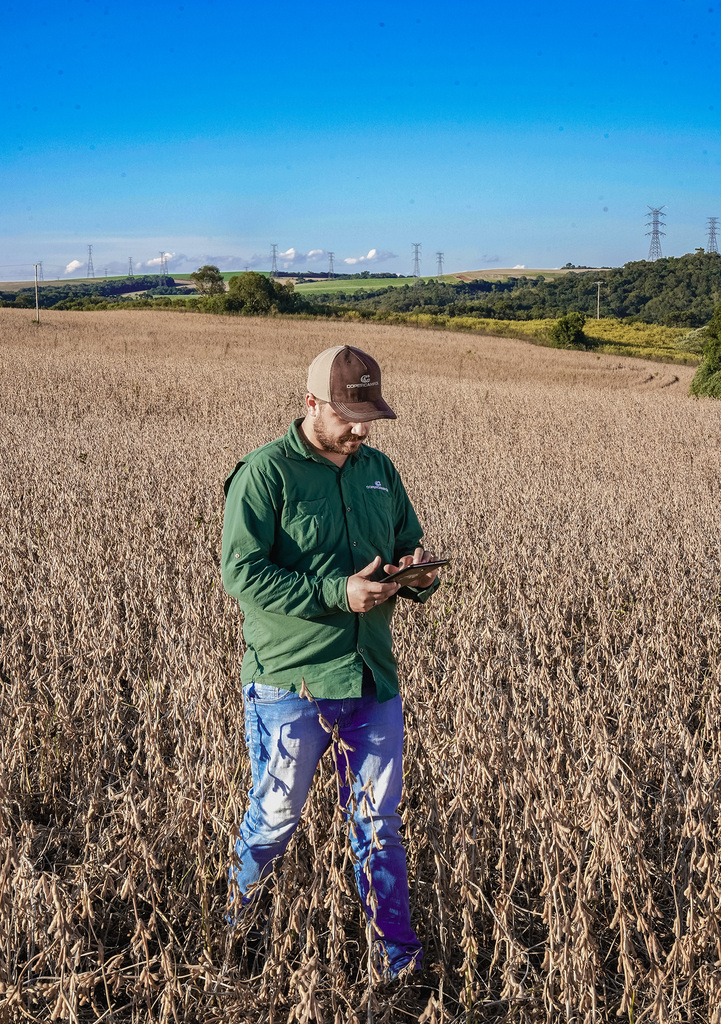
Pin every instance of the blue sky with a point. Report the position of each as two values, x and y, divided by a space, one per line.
519 134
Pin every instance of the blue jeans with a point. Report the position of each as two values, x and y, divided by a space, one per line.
286 740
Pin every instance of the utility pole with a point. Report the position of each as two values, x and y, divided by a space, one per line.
598 300
274 267
331 271
416 259
439 268
656 223
91 268
712 244
37 295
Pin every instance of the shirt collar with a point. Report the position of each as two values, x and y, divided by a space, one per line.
296 445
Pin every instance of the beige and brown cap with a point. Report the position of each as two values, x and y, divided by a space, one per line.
351 381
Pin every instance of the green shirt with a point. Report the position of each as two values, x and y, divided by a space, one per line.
296 526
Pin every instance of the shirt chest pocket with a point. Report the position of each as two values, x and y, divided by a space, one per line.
379 516
307 522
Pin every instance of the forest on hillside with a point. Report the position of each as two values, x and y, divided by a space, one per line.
677 292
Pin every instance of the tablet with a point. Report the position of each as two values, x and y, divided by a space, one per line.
411 573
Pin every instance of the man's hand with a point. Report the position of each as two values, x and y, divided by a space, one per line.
363 593
419 555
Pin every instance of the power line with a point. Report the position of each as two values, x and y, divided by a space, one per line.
416 259
656 223
712 244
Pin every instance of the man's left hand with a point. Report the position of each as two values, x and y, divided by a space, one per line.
419 555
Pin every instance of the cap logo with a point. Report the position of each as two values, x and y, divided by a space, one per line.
366 379
365 382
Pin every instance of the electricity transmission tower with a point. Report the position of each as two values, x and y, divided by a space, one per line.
416 259
711 245
656 223
91 268
331 271
130 267
40 271
439 267
274 268
164 263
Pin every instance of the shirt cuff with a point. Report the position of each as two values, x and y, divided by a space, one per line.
334 593
420 594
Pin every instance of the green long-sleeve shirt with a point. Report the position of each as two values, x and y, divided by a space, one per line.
296 526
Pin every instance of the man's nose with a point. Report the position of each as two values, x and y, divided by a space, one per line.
360 429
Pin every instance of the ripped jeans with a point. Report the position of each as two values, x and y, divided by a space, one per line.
286 741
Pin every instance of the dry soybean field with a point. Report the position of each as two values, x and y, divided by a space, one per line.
562 774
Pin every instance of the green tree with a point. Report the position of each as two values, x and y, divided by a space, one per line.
567 332
257 294
208 280
707 379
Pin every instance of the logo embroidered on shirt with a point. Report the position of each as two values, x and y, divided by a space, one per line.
377 486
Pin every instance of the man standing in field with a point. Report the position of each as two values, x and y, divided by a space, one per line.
310 519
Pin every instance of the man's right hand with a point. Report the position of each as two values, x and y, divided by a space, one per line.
363 593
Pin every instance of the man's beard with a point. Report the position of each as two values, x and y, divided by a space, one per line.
344 445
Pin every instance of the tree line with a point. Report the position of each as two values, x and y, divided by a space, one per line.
77 294
676 292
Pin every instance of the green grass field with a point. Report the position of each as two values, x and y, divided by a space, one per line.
366 284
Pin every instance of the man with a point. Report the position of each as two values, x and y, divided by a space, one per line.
310 519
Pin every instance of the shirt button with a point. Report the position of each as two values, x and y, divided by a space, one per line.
355 545
360 649
348 508
361 614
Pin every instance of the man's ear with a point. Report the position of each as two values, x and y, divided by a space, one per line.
311 405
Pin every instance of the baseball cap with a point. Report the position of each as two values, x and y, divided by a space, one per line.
351 381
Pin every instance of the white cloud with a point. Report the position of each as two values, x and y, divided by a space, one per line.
373 256
168 257
185 262
520 266
291 257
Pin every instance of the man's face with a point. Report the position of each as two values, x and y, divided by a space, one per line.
335 434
